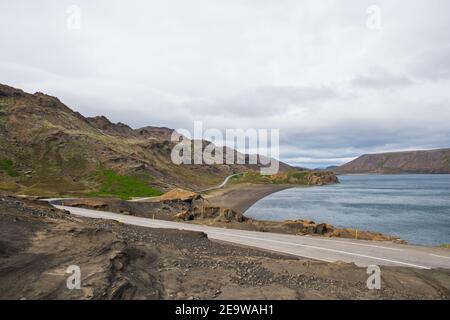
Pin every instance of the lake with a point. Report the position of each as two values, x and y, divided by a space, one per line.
415 207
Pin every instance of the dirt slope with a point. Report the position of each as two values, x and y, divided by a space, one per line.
117 261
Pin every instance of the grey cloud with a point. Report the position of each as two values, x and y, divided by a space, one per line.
380 79
271 100
433 64
312 69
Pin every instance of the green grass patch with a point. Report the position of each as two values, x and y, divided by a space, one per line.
251 177
445 245
8 166
124 187
293 177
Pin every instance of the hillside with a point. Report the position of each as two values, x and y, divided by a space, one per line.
427 161
48 149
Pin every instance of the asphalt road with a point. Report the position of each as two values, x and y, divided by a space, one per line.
362 253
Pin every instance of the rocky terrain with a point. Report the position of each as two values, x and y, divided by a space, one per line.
426 161
47 149
118 261
181 205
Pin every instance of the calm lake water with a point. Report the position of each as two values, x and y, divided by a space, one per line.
414 207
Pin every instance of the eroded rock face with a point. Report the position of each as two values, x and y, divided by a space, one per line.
200 208
179 194
39 242
120 261
308 227
191 205
302 227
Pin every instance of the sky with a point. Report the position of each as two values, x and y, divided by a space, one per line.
337 78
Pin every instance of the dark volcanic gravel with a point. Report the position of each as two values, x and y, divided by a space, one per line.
120 261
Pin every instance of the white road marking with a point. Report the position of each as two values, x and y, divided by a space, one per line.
337 251
353 243
101 215
212 231
282 251
436 255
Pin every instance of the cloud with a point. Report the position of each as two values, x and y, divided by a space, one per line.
433 64
333 87
381 79
269 100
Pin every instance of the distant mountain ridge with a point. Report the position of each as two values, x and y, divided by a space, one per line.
422 161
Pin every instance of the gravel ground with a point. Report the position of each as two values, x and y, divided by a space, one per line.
118 261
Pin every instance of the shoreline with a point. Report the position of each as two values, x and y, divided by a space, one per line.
126 261
226 208
241 197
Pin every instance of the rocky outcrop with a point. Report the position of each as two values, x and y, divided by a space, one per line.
305 177
195 207
106 126
321 178
120 261
179 194
307 227
302 227
156 133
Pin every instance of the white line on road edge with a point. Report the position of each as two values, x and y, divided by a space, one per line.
103 214
340 241
333 250
436 255
353 243
277 250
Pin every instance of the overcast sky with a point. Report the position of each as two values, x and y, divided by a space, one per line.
334 81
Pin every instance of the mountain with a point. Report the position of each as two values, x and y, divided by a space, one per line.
329 168
425 161
48 149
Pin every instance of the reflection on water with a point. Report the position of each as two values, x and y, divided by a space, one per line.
413 207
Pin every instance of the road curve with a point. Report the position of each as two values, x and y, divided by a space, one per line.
139 199
222 184
362 253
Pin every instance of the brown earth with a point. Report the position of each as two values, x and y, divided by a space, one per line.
118 261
